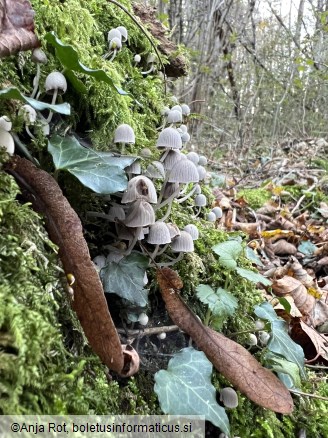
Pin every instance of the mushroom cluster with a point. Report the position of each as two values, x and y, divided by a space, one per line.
115 37
142 213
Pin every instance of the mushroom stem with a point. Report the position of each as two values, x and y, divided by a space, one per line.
173 261
36 80
198 212
167 201
53 100
167 214
148 71
192 191
133 241
29 132
113 55
155 252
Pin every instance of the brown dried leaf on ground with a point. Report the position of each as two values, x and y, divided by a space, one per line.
291 286
319 340
65 230
16 27
282 247
232 360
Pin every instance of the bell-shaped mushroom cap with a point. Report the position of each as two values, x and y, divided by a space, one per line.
146 152
116 212
172 158
155 170
99 261
124 134
184 172
200 200
193 156
174 116
201 172
229 397
183 243
176 108
134 168
141 214
169 189
55 81
115 43
123 31
7 141
173 229
202 160
183 128
28 113
137 58
211 216
198 189
217 211
5 123
169 138
174 99
192 230
140 187
185 109
185 137
114 33
159 234
39 56
165 110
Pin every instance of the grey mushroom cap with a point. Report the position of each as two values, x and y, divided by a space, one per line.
183 128
218 212
146 153
99 261
55 81
140 187
169 138
229 397
184 172
185 137
183 243
193 156
5 123
141 214
172 158
137 58
173 229
200 200
38 56
165 110
202 172
123 31
185 109
202 160
174 116
211 216
198 189
159 234
114 33
28 113
151 58
116 212
192 230
7 141
115 43
176 108
124 134
155 170
134 168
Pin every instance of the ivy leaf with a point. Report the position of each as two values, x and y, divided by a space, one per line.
283 367
101 172
221 302
252 256
126 278
280 342
69 59
185 388
14 93
228 252
252 276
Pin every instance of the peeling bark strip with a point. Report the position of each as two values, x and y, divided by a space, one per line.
231 359
16 27
177 66
65 230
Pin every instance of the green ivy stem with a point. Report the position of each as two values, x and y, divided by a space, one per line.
207 317
143 30
227 281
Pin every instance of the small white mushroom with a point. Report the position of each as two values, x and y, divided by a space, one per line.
143 319
161 336
5 123
229 397
192 230
55 84
7 142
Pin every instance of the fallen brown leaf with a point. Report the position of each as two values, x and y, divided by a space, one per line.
319 340
16 27
282 247
65 230
231 359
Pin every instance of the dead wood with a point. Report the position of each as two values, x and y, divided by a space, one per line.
177 64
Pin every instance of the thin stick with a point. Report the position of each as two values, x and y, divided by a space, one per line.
308 395
149 331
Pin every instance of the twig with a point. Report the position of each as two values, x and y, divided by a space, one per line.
308 395
148 331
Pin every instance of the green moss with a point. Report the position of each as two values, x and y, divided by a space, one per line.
255 197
